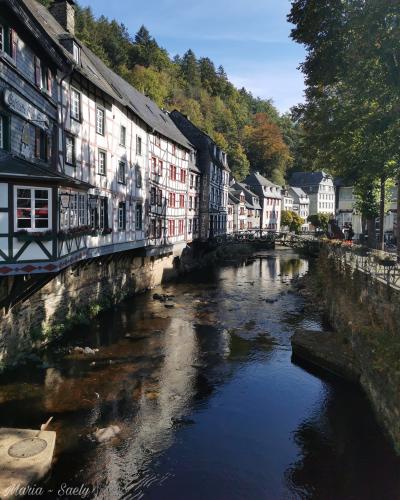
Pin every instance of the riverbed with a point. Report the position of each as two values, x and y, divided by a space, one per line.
208 400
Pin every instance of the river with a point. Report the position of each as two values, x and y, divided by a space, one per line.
208 400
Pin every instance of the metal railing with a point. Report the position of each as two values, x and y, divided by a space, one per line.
378 265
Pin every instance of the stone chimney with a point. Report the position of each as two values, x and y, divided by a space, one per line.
64 12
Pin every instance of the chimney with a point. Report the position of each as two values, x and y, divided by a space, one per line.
64 12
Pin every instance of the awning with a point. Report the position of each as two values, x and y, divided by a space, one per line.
12 167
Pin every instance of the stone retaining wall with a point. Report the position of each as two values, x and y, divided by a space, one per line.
367 314
74 296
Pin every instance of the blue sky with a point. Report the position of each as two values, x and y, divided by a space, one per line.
250 38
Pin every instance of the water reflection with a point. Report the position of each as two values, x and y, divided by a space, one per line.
206 396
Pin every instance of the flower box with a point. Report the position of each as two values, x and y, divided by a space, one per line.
31 236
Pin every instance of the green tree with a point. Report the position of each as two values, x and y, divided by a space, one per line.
319 221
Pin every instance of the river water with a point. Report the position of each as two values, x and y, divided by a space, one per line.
208 400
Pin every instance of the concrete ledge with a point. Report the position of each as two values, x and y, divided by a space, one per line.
327 351
18 473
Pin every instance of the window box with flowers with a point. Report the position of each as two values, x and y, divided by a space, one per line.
73 232
24 235
106 231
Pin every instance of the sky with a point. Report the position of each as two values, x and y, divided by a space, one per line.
250 38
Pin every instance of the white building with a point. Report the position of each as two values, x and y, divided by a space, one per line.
270 198
301 205
319 188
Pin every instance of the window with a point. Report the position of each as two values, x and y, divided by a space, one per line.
174 149
32 208
69 149
100 121
75 105
122 139
139 216
159 197
181 226
76 53
183 176
138 176
191 181
122 172
182 201
102 163
82 211
172 200
172 173
190 202
2 40
157 141
3 132
190 226
160 167
138 145
153 196
98 212
121 216
171 227
42 144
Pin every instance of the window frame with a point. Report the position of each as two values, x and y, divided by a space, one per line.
101 152
138 145
103 126
70 136
77 117
122 136
4 132
122 216
33 228
139 217
123 181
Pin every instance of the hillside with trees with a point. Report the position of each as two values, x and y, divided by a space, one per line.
250 129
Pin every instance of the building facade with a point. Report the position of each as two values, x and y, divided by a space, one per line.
301 205
320 189
270 200
213 164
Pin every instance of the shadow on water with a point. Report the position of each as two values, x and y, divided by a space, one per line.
206 397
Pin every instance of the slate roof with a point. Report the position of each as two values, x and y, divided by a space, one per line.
201 140
105 79
297 191
12 167
256 179
307 178
249 197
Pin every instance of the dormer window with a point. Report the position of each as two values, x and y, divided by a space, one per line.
76 53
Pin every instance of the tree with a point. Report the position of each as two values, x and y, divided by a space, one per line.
291 220
266 148
319 221
238 161
352 76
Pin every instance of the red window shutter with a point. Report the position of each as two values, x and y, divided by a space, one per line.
13 43
37 71
37 142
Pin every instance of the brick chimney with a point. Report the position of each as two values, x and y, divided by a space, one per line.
64 12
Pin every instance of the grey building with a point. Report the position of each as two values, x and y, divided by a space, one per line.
213 164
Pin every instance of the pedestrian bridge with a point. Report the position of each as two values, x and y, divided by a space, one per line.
268 237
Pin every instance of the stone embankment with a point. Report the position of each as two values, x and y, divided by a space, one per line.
80 293
365 341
